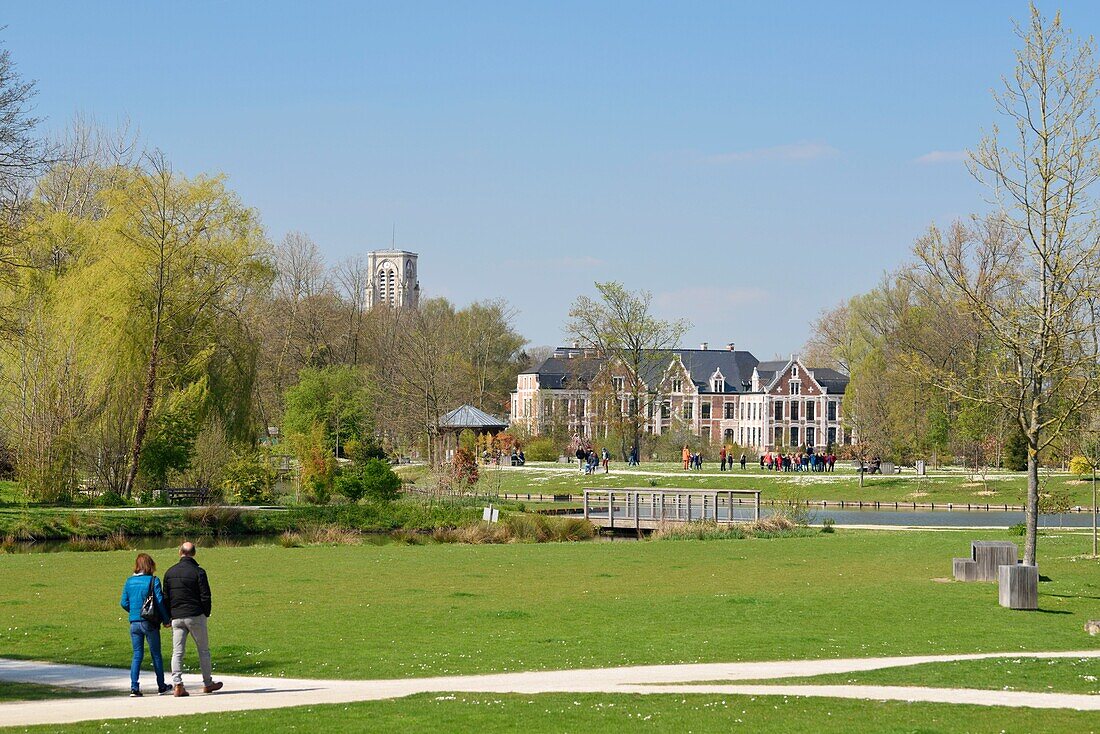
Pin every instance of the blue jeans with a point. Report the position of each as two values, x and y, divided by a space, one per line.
140 633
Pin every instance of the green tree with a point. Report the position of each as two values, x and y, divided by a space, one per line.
1015 452
336 399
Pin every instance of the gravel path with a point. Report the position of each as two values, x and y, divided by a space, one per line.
246 693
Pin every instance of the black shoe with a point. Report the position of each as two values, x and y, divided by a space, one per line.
161 690
135 693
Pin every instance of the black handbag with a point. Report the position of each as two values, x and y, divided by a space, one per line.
149 611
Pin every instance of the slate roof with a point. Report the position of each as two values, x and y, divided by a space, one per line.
830 379
561 371
834 382
467 416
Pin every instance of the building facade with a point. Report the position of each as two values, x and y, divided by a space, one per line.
718 394
392 279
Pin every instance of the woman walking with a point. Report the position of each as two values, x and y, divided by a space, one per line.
137 589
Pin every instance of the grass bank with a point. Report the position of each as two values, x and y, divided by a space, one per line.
490 713
33 692
58 524
402 610
1061 675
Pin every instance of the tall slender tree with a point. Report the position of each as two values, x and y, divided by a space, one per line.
636 347
1030 272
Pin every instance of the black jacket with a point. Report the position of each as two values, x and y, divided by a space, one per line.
186 590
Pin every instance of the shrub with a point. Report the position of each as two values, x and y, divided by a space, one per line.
1080 466
1017 529
249 478
827 525
319 535
541 449
110 499
213 518
461 474
113 542
374 479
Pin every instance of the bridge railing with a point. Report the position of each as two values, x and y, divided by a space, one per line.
632 507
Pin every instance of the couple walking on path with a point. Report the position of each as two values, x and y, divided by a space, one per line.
182 603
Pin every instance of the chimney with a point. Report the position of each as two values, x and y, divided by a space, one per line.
576 344
729 347
703 346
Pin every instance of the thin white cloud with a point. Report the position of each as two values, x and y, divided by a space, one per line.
707 299
802 151
942 156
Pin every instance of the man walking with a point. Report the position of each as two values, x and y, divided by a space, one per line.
187 596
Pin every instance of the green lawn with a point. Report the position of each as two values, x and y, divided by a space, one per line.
397 611
610 713
939 488
1061 675
32 692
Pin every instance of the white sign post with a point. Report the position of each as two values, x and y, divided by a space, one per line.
490 514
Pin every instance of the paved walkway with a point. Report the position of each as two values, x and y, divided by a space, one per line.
245 693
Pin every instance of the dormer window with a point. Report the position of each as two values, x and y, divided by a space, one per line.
717 382
794 372
677 385
617 383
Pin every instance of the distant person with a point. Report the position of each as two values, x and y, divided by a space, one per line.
582 455
606 460
188 600
522 458
722 457
135 593
686 456
633 456
743 461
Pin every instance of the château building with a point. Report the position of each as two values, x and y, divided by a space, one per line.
392 280
718 394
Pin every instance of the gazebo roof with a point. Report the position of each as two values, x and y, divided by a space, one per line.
468 416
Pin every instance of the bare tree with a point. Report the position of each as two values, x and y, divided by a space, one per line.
636 347
1029 273
22 157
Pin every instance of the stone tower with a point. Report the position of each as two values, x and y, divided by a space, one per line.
391 279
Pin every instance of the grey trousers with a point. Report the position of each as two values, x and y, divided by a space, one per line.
196 627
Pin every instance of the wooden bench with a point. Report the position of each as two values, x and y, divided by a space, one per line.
188 495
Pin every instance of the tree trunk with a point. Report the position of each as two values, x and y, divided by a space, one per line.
148 394
1031 507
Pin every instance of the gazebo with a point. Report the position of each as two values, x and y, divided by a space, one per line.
467 417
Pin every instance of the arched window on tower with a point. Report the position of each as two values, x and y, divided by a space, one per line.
387 284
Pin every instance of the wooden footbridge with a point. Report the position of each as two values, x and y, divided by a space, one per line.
648 509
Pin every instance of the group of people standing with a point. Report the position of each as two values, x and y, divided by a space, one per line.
694 460
183 604
801 461
727 457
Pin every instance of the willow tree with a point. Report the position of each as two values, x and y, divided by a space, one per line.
636 349
174 268
1030 272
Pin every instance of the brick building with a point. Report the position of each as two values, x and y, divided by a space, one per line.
719 394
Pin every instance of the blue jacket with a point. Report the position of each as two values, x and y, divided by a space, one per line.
134 592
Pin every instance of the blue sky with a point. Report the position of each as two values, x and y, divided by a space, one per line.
749 163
